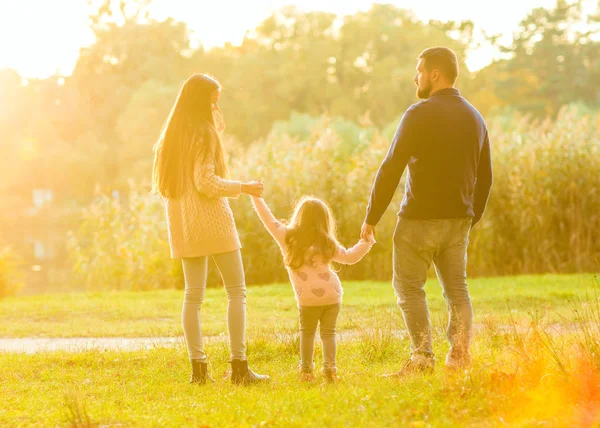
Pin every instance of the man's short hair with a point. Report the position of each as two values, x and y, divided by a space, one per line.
442 59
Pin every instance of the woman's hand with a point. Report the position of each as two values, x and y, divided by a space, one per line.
253 188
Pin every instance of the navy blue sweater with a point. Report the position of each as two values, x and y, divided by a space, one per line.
444 141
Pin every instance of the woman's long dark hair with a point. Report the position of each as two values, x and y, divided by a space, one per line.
189 134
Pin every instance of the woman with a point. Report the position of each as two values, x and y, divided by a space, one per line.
190 173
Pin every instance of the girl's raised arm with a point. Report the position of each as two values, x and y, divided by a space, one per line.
274 226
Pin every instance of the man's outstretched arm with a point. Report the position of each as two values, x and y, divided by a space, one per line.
484 180
392 167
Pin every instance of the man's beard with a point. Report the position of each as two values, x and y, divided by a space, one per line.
425 92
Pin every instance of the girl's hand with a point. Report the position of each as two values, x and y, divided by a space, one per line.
367 232
370 239
253 188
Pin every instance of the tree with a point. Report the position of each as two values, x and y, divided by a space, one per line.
317 63
378 52
554 60
130 49
138 128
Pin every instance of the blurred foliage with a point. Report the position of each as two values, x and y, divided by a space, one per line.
11 277
124 246
543 214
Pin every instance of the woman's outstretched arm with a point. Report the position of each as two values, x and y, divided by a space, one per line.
213 186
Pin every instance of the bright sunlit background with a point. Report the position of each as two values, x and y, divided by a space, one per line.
86 87
39 38
312 94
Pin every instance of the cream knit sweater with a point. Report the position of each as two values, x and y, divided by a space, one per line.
200 221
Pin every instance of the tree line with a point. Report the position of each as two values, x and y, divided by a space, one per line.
97 126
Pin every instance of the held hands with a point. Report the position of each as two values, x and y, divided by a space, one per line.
367 232
253 188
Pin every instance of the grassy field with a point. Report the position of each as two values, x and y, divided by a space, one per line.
157 313
525 372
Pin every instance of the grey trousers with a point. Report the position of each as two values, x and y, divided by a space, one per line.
416 244
310 317
232 272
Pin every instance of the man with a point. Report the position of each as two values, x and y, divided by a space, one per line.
444 141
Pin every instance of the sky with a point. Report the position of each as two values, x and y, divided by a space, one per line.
40 38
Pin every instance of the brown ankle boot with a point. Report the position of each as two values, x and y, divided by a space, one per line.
200 373
330 375
241 374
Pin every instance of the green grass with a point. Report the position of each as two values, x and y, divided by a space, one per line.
150 388
157 313
519 377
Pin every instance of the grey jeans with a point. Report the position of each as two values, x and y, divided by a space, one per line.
310 316
232 272
416 244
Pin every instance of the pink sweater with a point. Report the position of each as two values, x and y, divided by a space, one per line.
313 285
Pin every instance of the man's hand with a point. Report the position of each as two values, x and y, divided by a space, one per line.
367 232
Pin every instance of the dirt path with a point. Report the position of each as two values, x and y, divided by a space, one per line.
32 345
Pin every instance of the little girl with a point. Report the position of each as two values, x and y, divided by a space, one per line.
309 245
